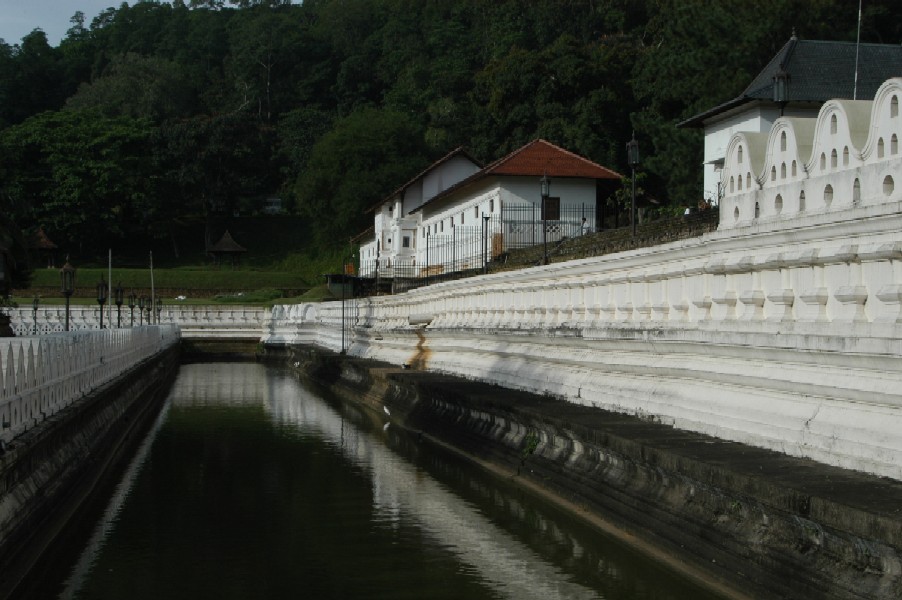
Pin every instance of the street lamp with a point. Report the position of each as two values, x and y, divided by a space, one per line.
485 237
546 188
159 309
632 155
118 291
142 302
132 300
34 307
101 298
67 283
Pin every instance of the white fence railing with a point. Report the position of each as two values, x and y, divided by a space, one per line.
43 374
194 321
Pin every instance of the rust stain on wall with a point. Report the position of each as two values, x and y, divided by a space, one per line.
420 358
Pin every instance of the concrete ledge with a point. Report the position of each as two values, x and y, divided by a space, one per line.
761 522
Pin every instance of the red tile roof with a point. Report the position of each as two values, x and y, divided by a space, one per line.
535 159
540 157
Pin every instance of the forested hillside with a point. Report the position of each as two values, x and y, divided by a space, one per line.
160 113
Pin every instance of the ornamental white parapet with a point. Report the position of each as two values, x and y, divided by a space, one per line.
41 375
842 161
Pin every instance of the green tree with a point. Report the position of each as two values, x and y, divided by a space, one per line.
361 160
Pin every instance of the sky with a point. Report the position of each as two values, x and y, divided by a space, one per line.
19 17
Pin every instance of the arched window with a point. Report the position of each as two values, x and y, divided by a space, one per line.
731 185
748 181
832 123
894 145
894 106
880 148
736 214
783 171
778 204
757 210
856 191
441 226
739 184
823 162
888 185
828 194
783 141
845 156
739 155
802 201
833 157
794 169
491 205
773 173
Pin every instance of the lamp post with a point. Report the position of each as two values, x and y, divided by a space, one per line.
546 188
142 301
632 155
118 291
101 298
132 299
34 308
159 309
67 283
485 237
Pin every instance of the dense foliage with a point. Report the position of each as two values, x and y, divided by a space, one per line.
160 112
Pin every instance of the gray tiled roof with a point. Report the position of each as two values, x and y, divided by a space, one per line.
818 71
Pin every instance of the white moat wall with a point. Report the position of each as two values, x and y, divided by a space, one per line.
782 330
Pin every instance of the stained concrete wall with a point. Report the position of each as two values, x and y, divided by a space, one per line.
747 522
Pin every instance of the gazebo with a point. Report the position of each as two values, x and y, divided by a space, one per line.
226 247
40 244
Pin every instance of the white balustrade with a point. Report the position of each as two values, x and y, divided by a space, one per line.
41 375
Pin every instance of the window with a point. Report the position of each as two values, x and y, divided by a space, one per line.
832 123
552 209
783 171
739 155
880 148
405 241
888 185
731 185
740 184
828 194
778 204
491 205
736 213
773 173
794 169
757 210
894 145
748 181
845 156
833 159
783 141
462 218
476 211
856 192
894 106
823 162
802 201
441 226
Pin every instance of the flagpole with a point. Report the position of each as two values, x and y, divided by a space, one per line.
857 44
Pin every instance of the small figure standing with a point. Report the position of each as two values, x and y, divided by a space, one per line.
584 227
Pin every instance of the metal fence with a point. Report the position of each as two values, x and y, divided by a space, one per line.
468 249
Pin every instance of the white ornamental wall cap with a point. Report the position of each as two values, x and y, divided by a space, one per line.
851 128
799 141
753 148
881 121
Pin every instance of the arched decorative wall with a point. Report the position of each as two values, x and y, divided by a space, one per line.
839 161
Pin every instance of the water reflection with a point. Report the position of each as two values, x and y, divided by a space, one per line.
425 529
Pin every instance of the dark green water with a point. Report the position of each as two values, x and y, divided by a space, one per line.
251 486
